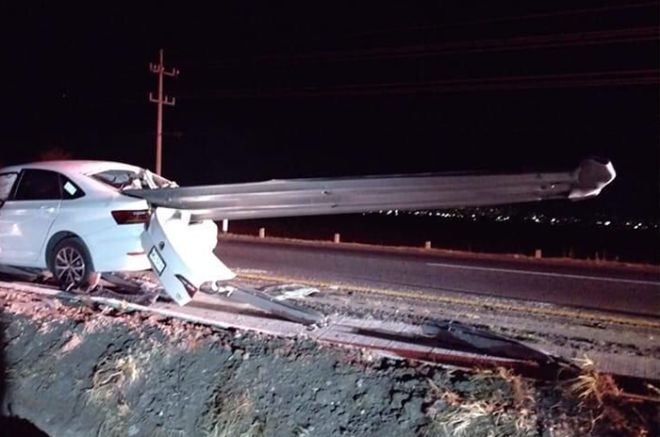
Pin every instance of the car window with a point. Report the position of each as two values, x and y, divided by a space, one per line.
6 184
117 178
130 179
69 189
38 185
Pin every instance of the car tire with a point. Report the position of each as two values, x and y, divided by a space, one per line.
71 265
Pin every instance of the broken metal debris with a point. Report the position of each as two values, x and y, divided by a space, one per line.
273 305
462 345
290 291
462 336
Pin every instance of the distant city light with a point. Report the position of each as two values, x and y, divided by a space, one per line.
503 215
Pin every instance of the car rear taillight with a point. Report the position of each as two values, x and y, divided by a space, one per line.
130 217
190 289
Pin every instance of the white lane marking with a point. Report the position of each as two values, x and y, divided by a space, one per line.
528 272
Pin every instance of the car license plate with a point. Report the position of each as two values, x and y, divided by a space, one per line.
156 261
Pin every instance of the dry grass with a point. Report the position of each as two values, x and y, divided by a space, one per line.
591 385
228 418
484 417
123 370
123 409
232 430
608 406
303 431
499 402
502 406
112 377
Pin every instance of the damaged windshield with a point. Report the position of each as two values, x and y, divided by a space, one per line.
133 180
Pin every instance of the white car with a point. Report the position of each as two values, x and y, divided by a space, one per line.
73 219
80 219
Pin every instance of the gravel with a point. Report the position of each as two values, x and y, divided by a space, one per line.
77 370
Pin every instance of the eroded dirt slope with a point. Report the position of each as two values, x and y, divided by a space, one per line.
81 371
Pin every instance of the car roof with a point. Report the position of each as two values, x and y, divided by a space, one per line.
74 166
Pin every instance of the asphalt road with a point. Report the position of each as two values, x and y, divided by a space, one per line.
593 287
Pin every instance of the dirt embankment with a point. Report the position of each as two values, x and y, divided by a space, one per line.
81 371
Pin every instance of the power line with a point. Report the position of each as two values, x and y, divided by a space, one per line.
568 80
558 40
562 13
515 43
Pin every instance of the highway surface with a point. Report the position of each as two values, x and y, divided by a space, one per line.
578 285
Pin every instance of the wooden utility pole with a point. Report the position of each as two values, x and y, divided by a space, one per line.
159 69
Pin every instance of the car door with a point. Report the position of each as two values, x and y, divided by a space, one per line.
7 182
27 216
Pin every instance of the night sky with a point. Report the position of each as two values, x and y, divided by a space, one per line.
276 91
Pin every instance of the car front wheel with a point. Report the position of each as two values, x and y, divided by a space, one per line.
71 265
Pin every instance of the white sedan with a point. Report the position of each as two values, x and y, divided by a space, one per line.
80 219
73 219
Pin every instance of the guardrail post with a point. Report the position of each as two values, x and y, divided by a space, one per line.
262 232
427 245
337 238
538 253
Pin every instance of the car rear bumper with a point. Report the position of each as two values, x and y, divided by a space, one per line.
118 249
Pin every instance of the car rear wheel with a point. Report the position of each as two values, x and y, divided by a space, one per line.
71 265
